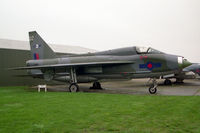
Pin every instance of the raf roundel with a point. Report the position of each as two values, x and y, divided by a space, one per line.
150 65
37 46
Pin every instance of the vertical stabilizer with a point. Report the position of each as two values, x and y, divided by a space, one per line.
39 48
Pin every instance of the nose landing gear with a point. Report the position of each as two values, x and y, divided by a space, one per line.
153 86
152 89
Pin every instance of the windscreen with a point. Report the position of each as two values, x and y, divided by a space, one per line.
147 50
153 51
141 50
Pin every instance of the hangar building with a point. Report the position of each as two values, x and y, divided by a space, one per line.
15 53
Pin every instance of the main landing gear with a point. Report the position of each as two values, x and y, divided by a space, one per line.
167 82
73 85
153 86
96 85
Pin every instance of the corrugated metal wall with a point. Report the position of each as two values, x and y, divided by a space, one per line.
10 58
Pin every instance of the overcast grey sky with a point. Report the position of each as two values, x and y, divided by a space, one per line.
172 26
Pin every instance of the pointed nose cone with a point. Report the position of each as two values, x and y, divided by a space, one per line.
186 63
183 63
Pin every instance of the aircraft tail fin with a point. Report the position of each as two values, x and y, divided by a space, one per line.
39 48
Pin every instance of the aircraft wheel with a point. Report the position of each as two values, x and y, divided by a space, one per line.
96 85
152 89
73 87
167 82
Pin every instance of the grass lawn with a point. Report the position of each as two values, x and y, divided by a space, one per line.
23 110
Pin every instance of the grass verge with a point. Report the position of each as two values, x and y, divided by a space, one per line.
22 110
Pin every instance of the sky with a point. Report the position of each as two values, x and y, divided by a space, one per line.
171 26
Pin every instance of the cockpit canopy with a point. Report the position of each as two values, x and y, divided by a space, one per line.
147 50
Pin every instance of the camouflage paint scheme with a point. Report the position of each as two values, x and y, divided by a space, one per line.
128 63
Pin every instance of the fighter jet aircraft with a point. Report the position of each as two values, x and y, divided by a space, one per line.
123 63
195 67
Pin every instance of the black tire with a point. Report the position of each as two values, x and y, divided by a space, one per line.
152 90
96 85
73 87
167 82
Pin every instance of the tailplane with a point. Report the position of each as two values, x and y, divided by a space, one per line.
39 48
